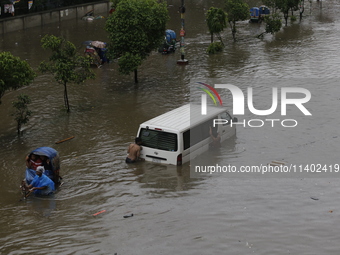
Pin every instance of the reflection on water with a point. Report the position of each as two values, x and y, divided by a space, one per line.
174 213
42 206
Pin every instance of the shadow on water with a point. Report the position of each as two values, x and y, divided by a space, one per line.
164 180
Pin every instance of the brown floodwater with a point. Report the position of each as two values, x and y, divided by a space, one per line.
173 213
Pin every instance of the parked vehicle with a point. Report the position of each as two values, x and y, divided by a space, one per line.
169 45
264 11
254 14
183 133
257 14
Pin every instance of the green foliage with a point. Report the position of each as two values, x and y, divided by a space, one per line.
136 28
66 65
14 73
286 5
237 11
128 62
21 114
270 3
273 23
215 47
293 18
216 20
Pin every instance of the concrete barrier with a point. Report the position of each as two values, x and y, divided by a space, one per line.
16 23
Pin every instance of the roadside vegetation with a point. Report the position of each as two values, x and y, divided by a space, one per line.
285 6
216 21
273 24
22 113
65 64
14 73
135 29
238 10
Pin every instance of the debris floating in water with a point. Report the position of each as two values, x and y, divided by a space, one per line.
128 215
64 140
99 212
314 198
277 163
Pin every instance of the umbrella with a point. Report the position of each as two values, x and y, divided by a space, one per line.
98 44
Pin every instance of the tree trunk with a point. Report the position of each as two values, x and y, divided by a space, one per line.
285 14
136 78
212 37
261 35
302 8
67 105
18 127
234 30
220 38
231 27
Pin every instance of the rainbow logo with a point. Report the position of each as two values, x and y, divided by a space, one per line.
204 97
209 93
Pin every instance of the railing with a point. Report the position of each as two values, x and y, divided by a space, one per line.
24 7
58 14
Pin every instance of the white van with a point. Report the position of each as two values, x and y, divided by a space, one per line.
183 133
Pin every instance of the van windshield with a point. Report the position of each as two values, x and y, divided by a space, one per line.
158 139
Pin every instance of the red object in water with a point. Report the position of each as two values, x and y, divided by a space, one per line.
99 212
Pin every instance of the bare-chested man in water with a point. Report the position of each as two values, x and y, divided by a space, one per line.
134 151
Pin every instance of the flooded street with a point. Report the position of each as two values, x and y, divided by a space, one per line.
173 213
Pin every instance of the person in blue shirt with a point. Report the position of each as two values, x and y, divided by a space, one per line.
41 184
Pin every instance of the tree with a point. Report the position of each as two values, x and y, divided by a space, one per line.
215 47
22 113
216 21
271 4
301 8
273 24
237 11
136 28
285 6
14 73
65 63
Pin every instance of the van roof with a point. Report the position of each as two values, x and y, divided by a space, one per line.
183 117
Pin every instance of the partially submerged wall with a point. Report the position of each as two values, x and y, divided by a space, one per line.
57 15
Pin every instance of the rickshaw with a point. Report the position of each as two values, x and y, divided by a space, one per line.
96 50
94 56
49 160
257 14
169 44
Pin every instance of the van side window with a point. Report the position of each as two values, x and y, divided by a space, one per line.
198 133
226 116
186 139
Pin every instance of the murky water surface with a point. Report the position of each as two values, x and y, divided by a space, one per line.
173 213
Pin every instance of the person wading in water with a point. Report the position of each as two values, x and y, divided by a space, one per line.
134 151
